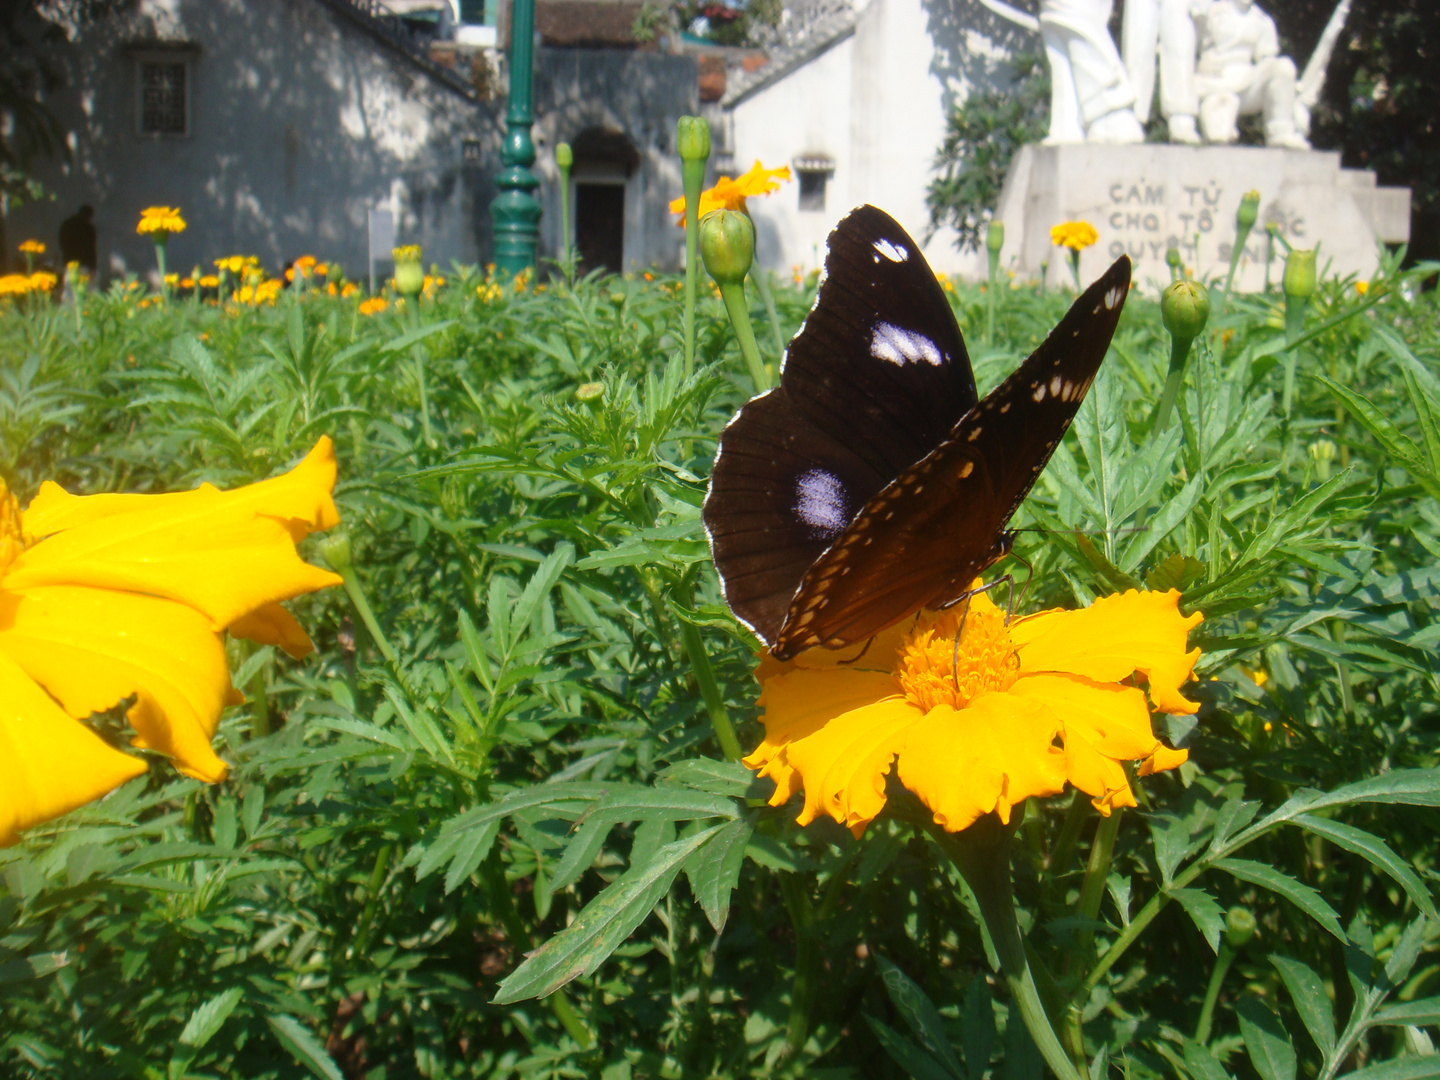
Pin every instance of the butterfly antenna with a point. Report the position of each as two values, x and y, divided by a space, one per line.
868 642
959 633
1029 577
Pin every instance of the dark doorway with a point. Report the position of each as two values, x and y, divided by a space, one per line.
600 226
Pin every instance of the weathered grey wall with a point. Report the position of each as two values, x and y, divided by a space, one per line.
639 94
300 121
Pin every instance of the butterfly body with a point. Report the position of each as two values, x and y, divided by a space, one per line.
871 483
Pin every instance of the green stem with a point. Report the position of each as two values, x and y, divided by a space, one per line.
797 902
362 608
1241 236
710 690
372 897
692 175
1074 257
567 264
767 297
734 297
1075 816
1223 960
1097 872
160 262
981 854
1179 353
259 697
990 298
570 1019
425 429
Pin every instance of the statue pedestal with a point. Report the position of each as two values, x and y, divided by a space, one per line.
1144 199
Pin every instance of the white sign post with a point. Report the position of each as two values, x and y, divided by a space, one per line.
382 240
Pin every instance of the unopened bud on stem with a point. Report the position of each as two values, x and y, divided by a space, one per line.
1239 927
727 244
693 139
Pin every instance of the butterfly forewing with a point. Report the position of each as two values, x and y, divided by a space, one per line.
920 541
874 380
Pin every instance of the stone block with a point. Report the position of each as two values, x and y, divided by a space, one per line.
1144 199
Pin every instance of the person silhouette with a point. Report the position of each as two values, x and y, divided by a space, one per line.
77 239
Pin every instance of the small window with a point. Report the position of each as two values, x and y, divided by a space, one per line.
164 96
815 170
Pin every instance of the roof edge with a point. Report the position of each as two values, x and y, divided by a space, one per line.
792 63
358 16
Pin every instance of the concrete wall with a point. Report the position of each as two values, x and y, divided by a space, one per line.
300 121
641 95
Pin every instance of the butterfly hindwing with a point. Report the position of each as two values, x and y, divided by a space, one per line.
921 540
874 380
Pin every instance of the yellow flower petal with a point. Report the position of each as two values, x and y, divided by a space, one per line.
93 647
1112 639
1098 775
273 625
172 545
844 763
990 756
1112 718
1162 759
49 763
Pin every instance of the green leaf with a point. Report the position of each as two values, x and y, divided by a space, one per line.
580 852
714 870
412 337
1422 1013
916 1063
920 1015
1202 1064
600 928
1208 916
1302 896
469 854
978 1027
1405 1068
305 1048
1175 572
709 774
1022 1056
33 967
1266 1040
1311 1001
1112 575
208 1018
1375 851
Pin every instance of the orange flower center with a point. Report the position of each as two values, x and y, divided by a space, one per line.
12 542
936 668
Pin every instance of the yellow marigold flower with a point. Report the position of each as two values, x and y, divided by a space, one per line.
209 281
975 730
728 194
322 269
160 222
172 279
32 247
1362 287
410 253
374 305
1075 235
349 289
109 597
14 285
42 281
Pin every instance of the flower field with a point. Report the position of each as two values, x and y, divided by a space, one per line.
514 736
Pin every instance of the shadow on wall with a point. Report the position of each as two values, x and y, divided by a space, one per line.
973 47
296 123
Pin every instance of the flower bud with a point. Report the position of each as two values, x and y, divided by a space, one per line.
409 274
564 156
1322 453
1172 258
1239 927
1299 279
335 550
995 237
693 139
727 245
590 391
1249 211
1185 307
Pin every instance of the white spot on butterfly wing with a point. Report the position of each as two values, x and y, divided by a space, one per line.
1055 385
1113 297
820 501
893 252
1039 394
899 346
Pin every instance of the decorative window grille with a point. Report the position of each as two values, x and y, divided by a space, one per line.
164 97
814 170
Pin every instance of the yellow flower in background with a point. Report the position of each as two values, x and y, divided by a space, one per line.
160 222
14 284
32 247
109 597
728 194
374 305
42 281
209 281
409 253
1362 287
1075 235
238 264
303 266
1016 711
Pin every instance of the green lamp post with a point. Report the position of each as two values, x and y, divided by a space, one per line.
515 211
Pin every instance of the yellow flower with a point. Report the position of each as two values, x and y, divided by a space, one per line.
302 266
1075 235
410 253
14 285
109 597
1015 711
237 264
160 222
374 305
42 281
209 281
1362 287
32 247
728 194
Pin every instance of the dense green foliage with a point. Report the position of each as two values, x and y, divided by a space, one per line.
521 479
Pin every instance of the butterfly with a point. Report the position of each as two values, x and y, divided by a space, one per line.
873 482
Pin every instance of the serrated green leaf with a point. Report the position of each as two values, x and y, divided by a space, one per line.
469 854
714 870
1208 916
1376 852
1202 1064
977 1031
1422 1013
1302 896
1405 1068
1175 572
916 1063
603 924
33 967
1266 1040
305 1048
920 1015
208 1018
1311 1001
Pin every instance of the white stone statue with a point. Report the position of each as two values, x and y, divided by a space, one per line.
1091 97
1170 24
1241 72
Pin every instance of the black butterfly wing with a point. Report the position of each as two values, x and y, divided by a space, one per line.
873 382
922 539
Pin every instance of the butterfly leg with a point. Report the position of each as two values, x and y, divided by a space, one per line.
965 599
